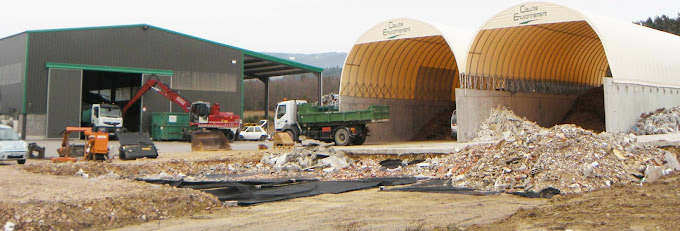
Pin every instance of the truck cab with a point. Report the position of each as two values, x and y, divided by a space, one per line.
103 118
286 116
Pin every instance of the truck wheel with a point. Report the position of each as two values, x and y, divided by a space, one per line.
21 161
230 136
342 137
292 135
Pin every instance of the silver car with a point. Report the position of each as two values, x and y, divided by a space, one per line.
11 147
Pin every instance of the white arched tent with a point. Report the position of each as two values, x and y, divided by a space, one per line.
540 47
411 65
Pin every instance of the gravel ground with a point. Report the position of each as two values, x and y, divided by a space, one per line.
37 202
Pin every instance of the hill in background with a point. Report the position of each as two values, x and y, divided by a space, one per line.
323 60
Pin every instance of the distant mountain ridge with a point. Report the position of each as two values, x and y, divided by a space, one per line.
323 60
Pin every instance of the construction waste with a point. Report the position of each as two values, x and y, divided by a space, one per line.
331 99
438 128
588 110
517 156
566 157
661 121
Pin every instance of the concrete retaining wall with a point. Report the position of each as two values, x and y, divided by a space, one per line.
474 107
407 117
35 128
625 102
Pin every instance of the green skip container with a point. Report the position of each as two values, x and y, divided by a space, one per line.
169 125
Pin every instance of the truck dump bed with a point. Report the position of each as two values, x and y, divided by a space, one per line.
309 114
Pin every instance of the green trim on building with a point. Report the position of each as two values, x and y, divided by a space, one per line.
283 61
108 68
25 83
242 85
87 28
247 52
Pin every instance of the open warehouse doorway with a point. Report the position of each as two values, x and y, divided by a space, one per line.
115 88
73 88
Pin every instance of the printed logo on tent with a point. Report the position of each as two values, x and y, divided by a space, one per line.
395 29
528 14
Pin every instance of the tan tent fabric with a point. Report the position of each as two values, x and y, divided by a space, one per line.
401 59
540 41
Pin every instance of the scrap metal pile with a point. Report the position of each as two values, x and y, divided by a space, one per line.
661 121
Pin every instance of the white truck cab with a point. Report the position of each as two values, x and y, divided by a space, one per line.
286 115
104 118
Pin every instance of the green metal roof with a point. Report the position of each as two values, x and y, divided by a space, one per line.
292 67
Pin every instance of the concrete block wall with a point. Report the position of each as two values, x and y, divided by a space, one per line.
625 102
474 106
35 128
407 117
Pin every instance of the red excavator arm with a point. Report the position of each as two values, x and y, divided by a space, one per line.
164 90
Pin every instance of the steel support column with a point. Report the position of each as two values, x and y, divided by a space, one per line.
265 80
320 76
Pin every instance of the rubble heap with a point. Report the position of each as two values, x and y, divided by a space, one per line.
588 110
661 121
331 99
504 124
438 128
566 157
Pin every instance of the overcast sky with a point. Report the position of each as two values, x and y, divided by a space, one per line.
299 26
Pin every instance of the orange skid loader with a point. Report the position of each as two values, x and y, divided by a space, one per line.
95 148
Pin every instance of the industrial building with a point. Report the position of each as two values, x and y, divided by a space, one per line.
47 75
535 58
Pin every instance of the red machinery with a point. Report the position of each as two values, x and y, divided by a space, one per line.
202 115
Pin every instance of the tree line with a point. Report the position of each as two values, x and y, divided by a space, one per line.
663 23
303 87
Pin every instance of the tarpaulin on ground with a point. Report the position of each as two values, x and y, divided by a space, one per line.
440 186
260 191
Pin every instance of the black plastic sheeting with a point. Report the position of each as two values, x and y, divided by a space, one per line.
260 191
439 186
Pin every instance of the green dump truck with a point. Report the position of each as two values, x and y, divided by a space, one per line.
298 118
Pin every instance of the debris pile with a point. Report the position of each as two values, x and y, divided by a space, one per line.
438 128
588 110
331 99
661 121
504 124
566 157
76 203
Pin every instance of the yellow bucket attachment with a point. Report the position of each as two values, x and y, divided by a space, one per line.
209 141
283 140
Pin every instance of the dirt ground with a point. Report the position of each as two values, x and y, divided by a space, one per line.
44 195
360 210
652 207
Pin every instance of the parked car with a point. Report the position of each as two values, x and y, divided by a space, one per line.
11 147
253 133
454 127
